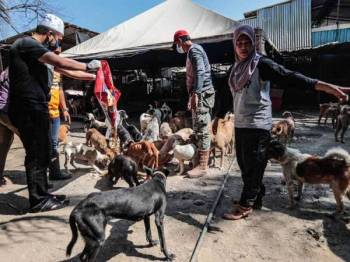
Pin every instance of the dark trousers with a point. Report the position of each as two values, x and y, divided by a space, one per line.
34 129
251 147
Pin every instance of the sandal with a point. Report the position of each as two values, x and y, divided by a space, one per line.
239 213
48 204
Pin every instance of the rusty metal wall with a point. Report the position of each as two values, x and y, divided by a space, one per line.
288 25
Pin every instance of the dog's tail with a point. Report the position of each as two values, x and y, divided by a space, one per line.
73 227
338 152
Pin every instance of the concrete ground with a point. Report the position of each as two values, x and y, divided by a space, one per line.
308 233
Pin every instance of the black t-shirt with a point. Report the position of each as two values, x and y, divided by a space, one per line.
268 71
29 78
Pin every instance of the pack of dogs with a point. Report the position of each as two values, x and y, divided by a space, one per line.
340 116
164 137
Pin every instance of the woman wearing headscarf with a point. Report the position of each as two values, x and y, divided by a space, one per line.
249 83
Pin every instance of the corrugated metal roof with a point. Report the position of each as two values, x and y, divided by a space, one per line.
328 36
287 24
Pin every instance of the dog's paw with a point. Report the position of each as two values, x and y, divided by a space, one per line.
170 257
153 243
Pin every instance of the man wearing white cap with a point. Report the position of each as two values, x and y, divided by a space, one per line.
28 103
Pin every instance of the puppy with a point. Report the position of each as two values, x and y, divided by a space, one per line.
284 129
152 131
125 167
288 159
96 139
332 169
78 154
63 133
91 215
343 120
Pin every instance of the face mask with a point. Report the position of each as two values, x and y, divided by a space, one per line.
179 49
53 44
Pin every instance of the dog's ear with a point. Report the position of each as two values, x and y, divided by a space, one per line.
149 171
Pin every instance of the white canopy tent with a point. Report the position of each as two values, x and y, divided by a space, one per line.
154 29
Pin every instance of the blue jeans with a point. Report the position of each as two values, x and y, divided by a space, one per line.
55 126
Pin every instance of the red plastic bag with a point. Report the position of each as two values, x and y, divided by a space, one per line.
106 93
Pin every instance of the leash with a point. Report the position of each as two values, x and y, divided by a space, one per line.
210 215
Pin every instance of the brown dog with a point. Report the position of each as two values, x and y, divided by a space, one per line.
283 130
96 139
332 169
223 139
329 110
144 153
63 133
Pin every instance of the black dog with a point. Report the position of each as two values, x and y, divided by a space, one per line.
91 215
123 166
134 132
124 136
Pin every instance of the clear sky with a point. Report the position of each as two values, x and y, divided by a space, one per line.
100 15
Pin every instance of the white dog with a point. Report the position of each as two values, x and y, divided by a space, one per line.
144 120
83 155
152 131
184 153
165 130
288 159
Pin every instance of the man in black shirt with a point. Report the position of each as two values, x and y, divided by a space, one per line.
28 105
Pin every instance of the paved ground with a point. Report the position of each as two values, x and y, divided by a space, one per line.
308 233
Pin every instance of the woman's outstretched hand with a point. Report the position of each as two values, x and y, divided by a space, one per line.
337 91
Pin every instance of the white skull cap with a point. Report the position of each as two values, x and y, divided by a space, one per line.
53 22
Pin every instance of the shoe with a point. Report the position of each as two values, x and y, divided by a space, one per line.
239 213
58 197
48 204
54 169
202 167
